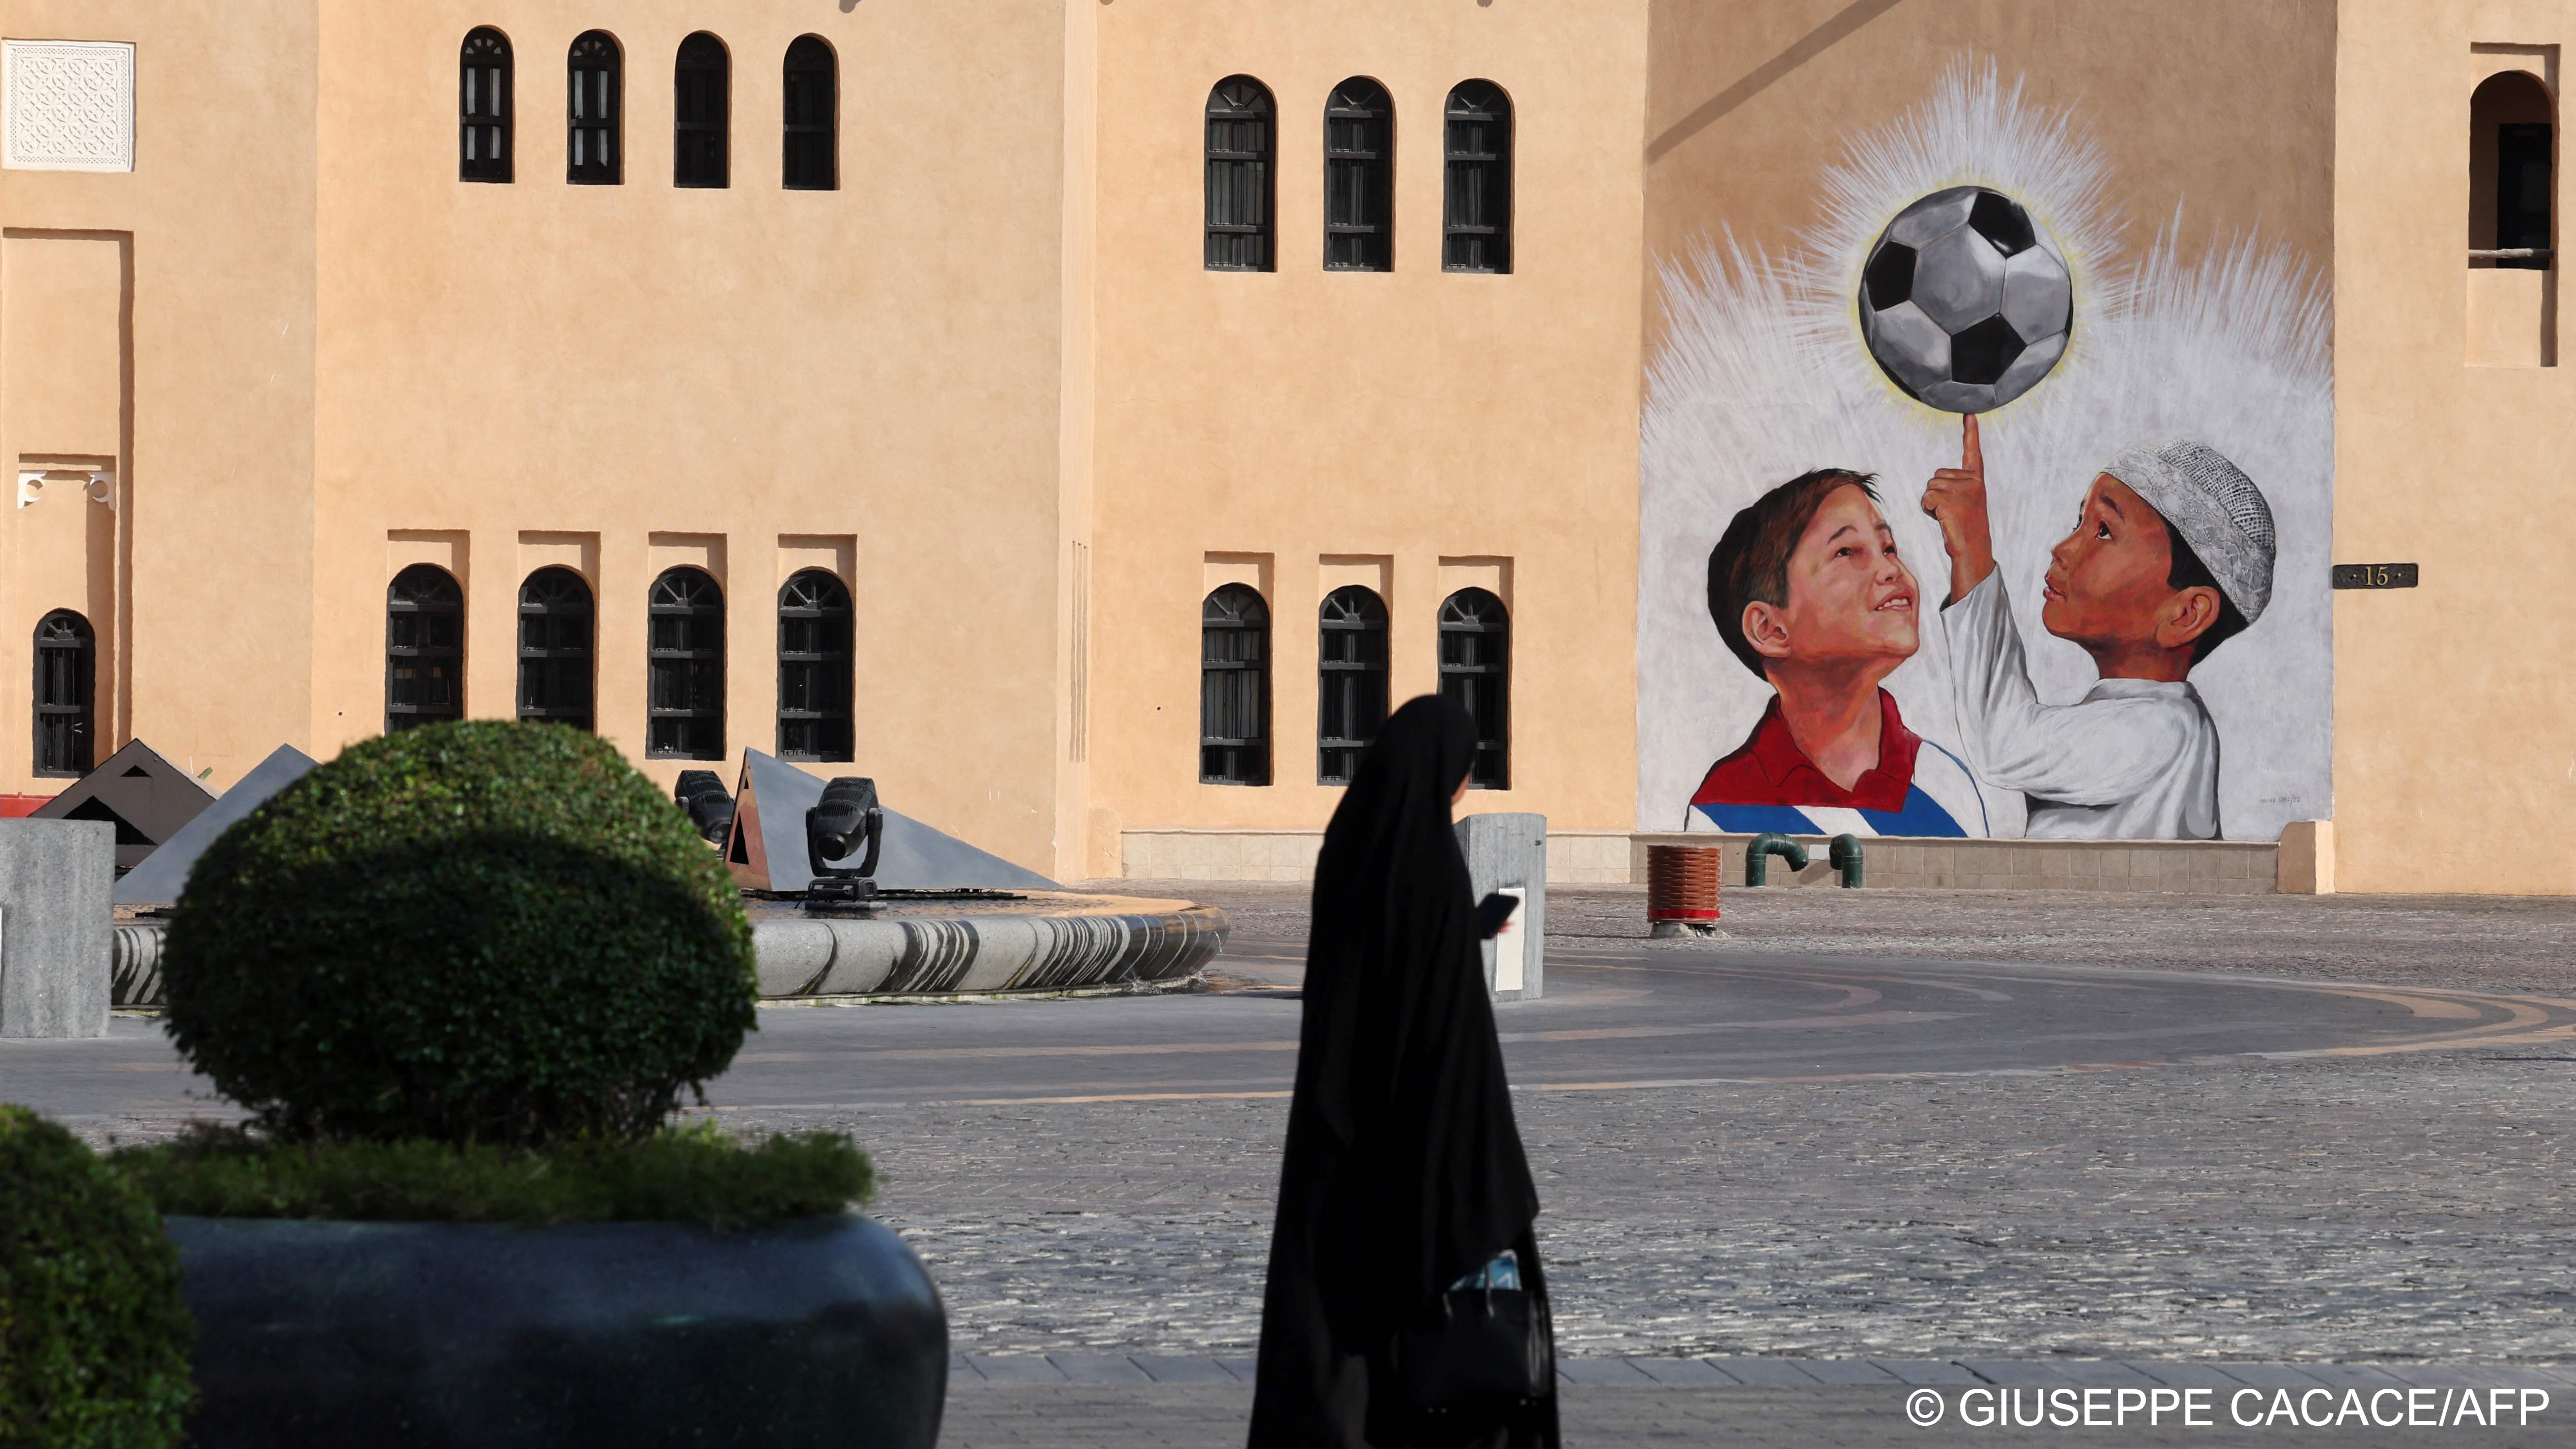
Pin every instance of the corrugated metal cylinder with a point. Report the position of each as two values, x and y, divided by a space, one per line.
1681 882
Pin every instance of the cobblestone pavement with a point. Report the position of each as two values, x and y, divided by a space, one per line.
2413 1207
2387 1208
2486 943
2402 1207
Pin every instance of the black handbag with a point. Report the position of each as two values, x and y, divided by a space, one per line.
1476 1346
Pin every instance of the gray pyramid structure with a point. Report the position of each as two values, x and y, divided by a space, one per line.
144 796
163 874
766 851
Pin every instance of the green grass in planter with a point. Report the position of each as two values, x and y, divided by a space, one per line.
692 1174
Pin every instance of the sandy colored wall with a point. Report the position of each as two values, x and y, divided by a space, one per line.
642 375
1078 401
2453 762
1307 427
160 321
62 389
2225 107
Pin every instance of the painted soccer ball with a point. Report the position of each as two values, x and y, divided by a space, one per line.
1965 302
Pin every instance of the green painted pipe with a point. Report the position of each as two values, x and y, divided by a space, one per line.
1845 856
1757 853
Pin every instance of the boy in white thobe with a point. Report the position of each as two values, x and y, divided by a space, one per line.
2171 556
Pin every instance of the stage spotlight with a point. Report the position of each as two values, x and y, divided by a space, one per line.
702 794
842 835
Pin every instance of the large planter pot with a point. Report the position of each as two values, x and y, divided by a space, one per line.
477 1336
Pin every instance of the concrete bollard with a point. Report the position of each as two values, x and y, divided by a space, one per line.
55 876
1507 852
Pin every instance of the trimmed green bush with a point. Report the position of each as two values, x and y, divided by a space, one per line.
94 1337
683 1174
485 931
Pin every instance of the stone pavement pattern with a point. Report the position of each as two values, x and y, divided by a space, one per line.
2498 943
2419 1207
2381 1208
2331 1210
2407 1207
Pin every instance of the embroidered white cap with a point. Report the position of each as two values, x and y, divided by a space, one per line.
2211 505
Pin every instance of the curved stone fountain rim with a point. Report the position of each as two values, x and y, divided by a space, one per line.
1060 943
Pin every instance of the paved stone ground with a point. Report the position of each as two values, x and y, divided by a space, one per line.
2409 1207
2334 1212
2351 1214
2493 943
2416 1207
976 1370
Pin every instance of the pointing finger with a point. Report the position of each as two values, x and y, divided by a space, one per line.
1972 456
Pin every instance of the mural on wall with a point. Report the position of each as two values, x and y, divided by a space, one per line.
1970 515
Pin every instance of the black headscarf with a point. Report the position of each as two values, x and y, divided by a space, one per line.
1404 1170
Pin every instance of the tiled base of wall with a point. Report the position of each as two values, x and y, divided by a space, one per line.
1574 857
1283 855
2195 867
2192 867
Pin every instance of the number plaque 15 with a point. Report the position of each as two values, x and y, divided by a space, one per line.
2374 576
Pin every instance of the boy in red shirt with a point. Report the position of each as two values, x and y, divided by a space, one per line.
1807 590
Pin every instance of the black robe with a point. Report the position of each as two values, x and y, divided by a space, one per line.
1404 1170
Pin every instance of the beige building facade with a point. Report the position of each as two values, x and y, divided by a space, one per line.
989 358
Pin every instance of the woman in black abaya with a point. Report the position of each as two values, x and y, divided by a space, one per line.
1404 1176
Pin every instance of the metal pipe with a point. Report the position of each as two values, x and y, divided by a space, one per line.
2511 254
1845 856
1757 865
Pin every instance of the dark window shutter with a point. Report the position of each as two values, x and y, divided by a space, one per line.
1234 688
1477 206
483 107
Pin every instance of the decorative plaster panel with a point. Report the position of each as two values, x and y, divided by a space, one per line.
67 105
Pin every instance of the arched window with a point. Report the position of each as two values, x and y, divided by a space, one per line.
483 106
1234 688
1476 671
424 648
1359 178
555 628
1477 214
1351 689
814 667
701 114
813 157
684 668
2512 178
595 110
66 694
1238 176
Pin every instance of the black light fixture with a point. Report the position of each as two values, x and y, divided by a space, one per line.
842 834
702 794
